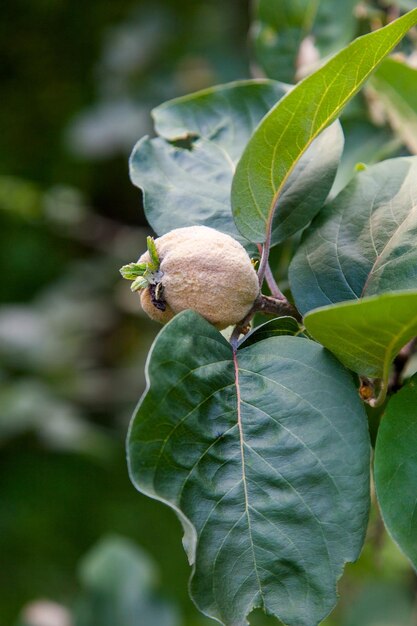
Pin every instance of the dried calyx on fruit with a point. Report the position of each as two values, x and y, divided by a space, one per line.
195 268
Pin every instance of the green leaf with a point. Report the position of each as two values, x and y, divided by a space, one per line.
290 127
396 86
116 564
119 581
132 270
281 26
396 468
364 143
225 114
276 327
153 253
366 335
363 243
186 173
139 283
264 457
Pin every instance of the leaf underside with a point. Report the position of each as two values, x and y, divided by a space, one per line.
186 172
363 243
396 468
290 127
264 455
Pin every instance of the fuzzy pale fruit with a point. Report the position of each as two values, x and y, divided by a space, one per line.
204 270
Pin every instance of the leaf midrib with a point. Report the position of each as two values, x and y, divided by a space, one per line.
323 125
366 56
242 444
411 213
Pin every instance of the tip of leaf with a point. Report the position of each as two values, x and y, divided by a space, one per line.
132 270
153 253
139 283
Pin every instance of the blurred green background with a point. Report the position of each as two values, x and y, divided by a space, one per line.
78 82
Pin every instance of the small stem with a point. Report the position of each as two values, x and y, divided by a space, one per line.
274 306
268 306
234 338
264 258
273 287
243 327
266 272
392 385
380 398
376 528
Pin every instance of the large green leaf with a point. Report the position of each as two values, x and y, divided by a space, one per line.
186 173
281 26
367 334
264 456
365 144
290 127
363 242
396 85
396 468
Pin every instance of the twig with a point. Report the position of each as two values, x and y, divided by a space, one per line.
273 287
269 277
264 258
267 305
382 394
274 306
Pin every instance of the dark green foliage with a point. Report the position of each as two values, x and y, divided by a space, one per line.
396 468
269 477
262 451
194 179
363 242
290 127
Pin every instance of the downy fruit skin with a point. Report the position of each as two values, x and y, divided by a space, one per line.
204 270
